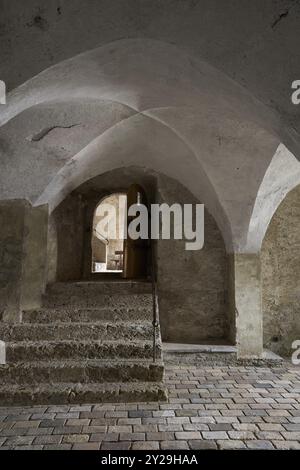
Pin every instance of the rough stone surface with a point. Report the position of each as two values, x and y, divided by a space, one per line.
280 277
102 361
34 269
11 256
23 242
209 407
192 284
65 236
246 305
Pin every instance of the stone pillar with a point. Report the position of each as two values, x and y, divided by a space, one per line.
245 299
34 264
23 248
12 215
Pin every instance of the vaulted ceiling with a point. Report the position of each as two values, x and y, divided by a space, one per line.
191 89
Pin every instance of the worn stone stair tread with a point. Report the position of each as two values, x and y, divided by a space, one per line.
97 299
111 287
87 314
92 308
75 330
102 342
83 371
62 323
83 363
55 349
63 393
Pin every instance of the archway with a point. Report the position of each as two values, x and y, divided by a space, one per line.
192 285
108 234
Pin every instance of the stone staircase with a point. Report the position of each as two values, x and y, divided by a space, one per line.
91 342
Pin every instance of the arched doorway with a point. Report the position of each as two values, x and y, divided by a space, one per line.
108 234
113 251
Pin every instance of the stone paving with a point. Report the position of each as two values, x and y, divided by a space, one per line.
210 407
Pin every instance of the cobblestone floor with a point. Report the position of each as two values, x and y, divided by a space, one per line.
212 407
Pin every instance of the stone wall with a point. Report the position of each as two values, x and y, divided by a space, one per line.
192 284
280 258
65 240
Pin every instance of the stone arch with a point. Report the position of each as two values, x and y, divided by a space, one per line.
197 280
282 175
127 144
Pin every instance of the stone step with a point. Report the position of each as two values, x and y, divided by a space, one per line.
111 287
82 299
79 315
63 393
83 371
75 331
89 349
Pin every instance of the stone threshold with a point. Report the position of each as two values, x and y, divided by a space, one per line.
178 348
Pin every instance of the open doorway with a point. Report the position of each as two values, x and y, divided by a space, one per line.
108 244
112 251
